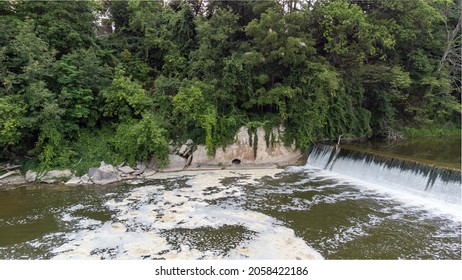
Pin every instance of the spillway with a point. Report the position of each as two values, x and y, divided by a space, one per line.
414 177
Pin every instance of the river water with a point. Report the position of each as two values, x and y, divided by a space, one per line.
304 212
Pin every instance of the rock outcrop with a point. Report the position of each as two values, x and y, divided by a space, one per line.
176 163
55 176
13 178
249 149
186 149
180 157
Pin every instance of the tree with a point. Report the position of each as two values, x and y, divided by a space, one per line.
81 76
124 98
64 25
422 42
215 42
192 108
11 121
28 60
452 55
349 37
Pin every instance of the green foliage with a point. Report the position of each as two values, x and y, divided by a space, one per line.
53 151
214 37
11 120
165 89
350 36
191 107
81 76
91 147
120 14
65 25
140 139
201 69
135 67
308 112
124 98
30 57
51 144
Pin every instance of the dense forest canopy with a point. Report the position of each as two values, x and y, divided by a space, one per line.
116 80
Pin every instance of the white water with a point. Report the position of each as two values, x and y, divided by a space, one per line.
146 212
403 181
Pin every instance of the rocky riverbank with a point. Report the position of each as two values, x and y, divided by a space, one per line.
250 150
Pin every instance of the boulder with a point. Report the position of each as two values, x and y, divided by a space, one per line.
141 166
31 176
55 176
74 181
183 149
126 169
105 174
15 179
124 176
186 149
149 172
85 179
176 163
172 149
189 160
91 171
152 164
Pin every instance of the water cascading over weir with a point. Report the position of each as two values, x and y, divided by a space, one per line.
418 178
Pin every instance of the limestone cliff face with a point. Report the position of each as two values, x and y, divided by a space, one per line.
249 148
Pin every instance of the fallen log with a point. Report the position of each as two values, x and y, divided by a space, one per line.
9 173
9 167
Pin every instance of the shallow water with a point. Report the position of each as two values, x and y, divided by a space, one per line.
296 213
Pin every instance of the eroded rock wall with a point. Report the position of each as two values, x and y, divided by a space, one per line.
249 148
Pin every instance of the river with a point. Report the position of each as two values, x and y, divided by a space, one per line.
299 212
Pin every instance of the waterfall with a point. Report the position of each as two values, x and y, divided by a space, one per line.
422 179
321 155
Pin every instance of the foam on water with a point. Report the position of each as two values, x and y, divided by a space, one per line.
390 206
145 216
411 199
411 182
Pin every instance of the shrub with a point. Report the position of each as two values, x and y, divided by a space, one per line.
139 139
